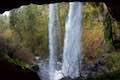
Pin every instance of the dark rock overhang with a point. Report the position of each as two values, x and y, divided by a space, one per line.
114 9
6 5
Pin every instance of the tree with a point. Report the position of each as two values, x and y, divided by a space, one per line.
108 34
29 26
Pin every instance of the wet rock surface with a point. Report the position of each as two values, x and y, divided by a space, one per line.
97 68
10 71
92 70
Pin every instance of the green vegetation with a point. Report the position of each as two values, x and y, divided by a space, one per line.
27 28
20 63
113 61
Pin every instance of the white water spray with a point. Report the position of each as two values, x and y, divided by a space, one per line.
53 39
72 44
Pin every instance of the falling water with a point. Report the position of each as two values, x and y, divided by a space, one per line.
72 44
53 39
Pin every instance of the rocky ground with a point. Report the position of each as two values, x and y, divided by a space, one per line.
104 68
95 68
10 71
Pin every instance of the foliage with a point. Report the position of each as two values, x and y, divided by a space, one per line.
28 28
108 33
20 63
94 44
93 15
93 31
113 61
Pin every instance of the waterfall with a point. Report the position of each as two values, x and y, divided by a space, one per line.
72 45
53 39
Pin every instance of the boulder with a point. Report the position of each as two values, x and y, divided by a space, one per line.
10 71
